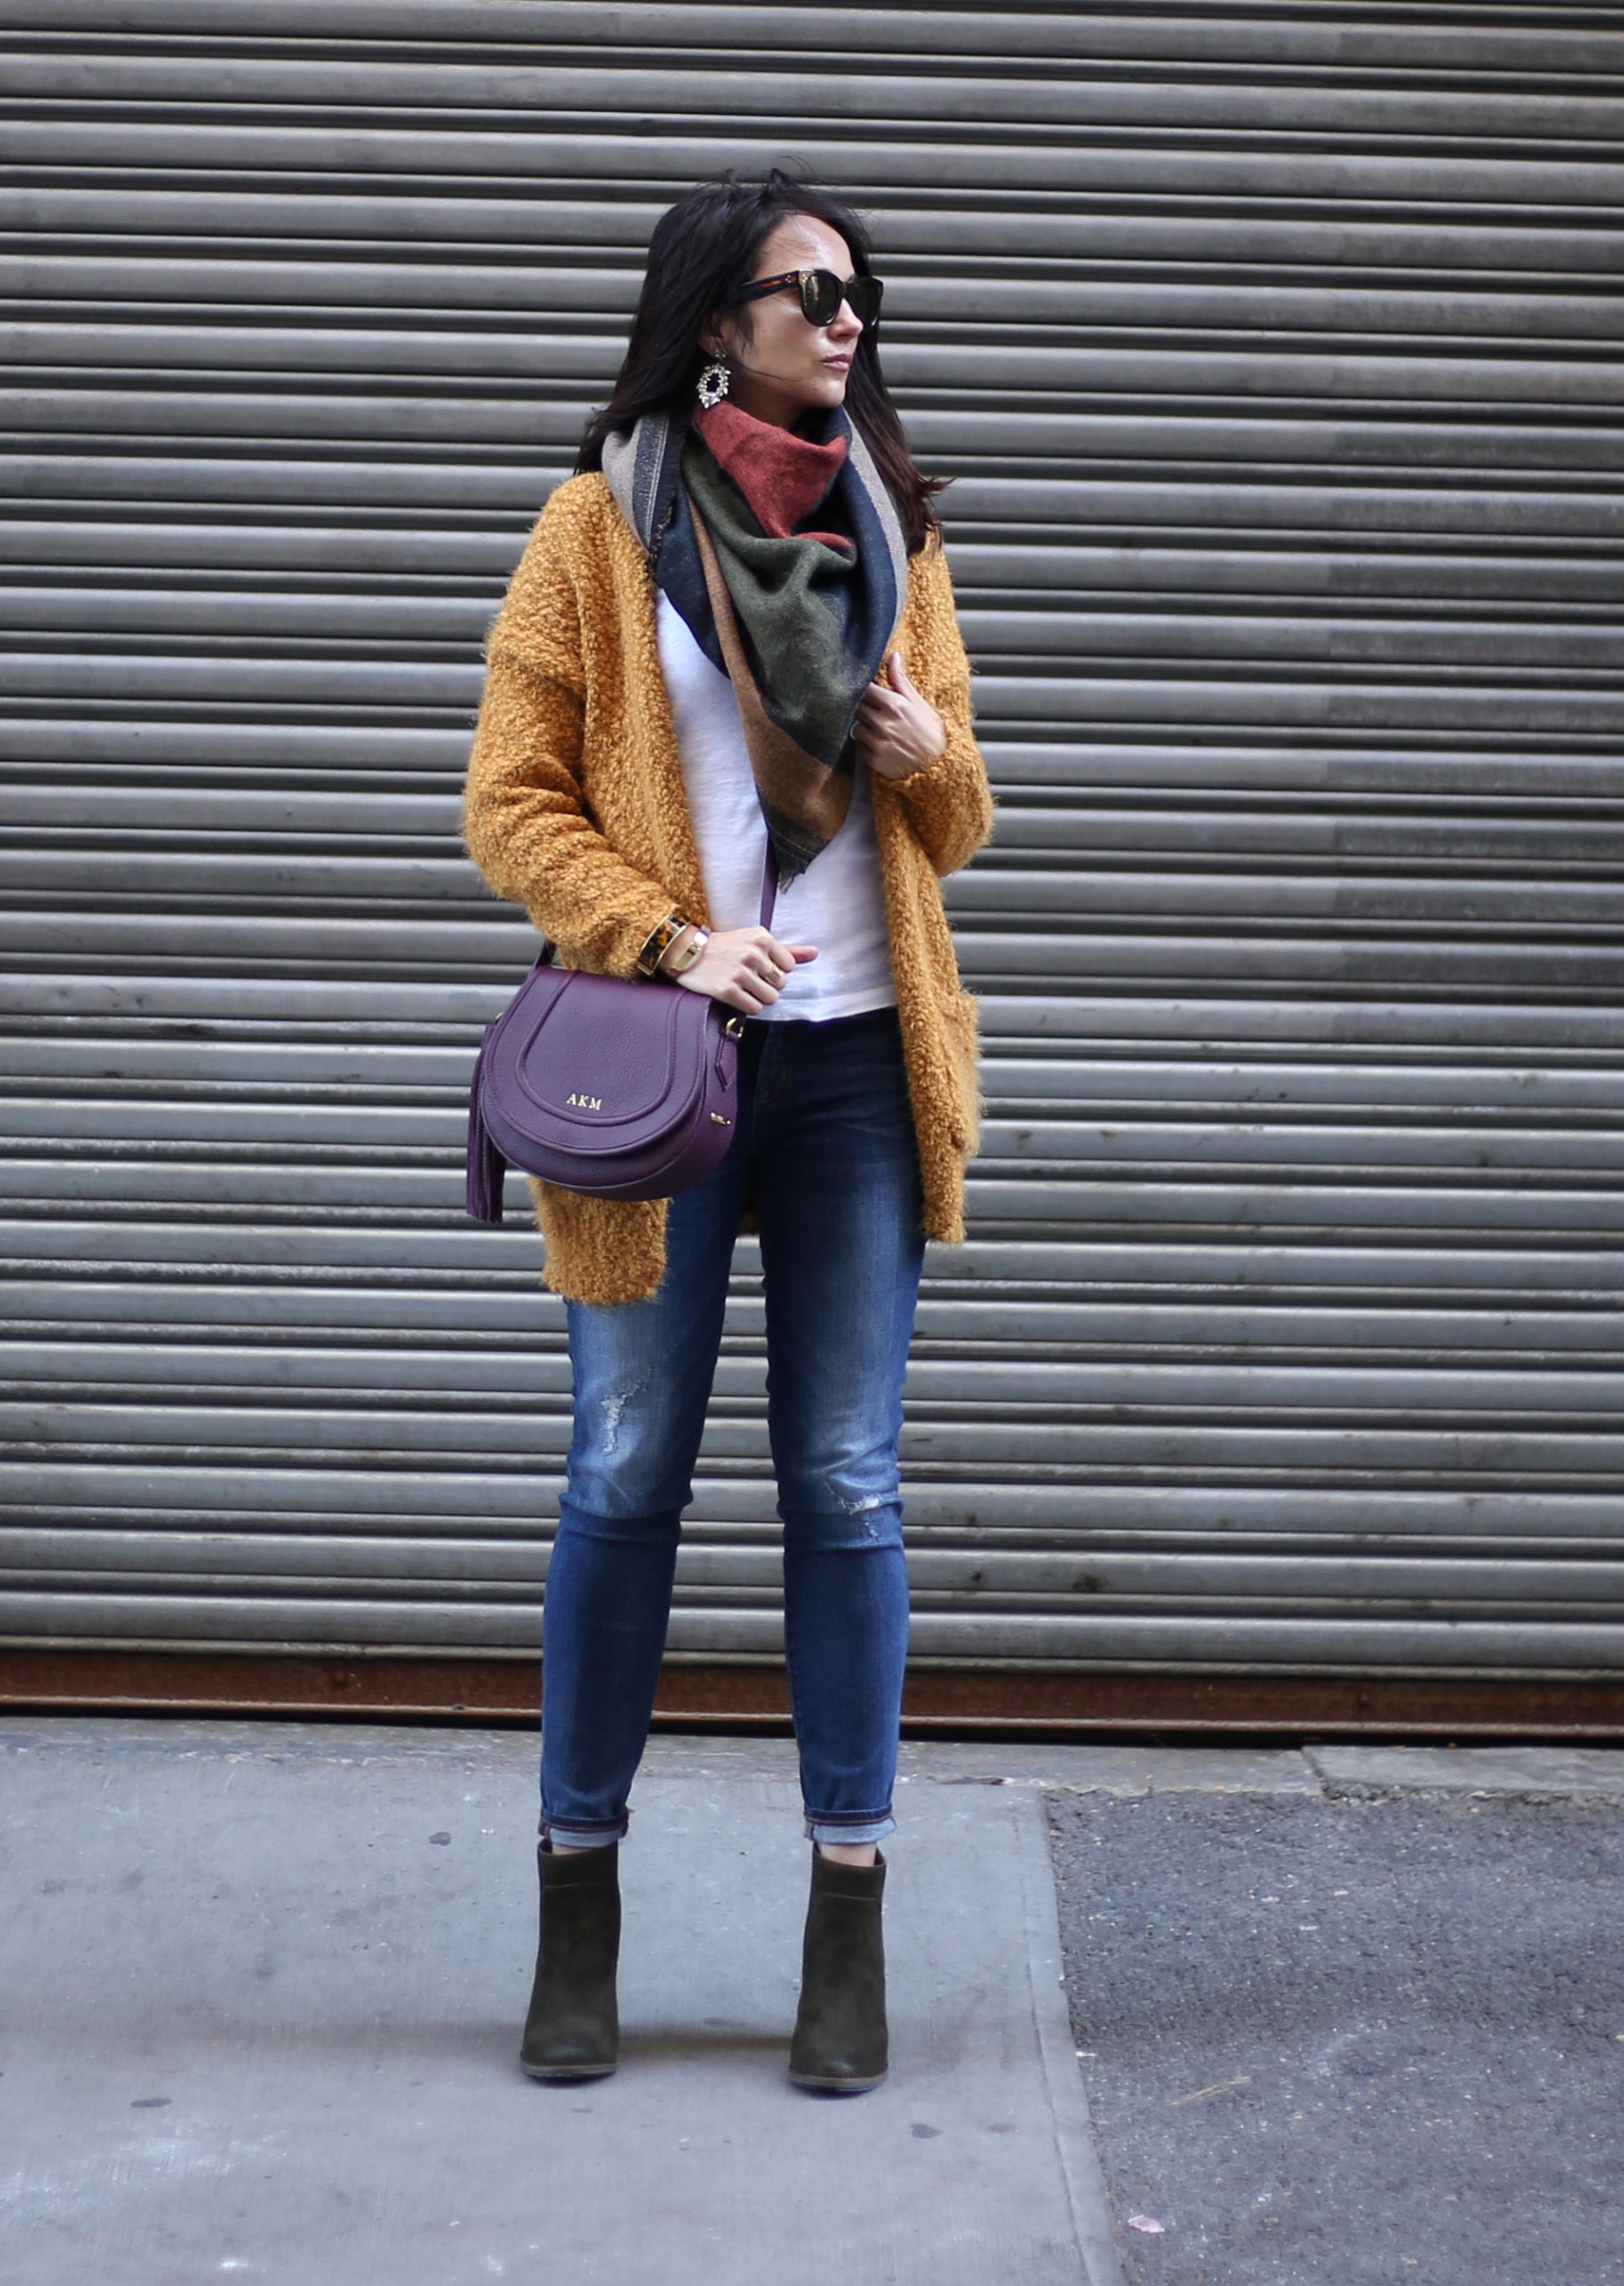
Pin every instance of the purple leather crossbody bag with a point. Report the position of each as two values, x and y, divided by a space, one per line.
621 1090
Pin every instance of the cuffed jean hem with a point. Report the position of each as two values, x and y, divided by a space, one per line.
584 1837
850 1835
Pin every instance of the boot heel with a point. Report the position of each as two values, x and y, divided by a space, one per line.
841 2044
572 2030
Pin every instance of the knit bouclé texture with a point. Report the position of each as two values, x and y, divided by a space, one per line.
576 810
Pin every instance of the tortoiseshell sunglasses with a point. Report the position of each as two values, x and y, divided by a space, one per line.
821 294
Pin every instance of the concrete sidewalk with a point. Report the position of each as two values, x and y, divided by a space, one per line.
264 1988
1345 2014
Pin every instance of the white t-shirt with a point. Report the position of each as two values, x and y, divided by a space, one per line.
838 904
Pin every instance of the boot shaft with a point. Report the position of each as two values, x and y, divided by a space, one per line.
841 2043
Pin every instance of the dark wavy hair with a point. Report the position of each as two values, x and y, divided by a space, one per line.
704 251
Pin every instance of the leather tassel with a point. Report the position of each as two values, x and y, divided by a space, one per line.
487 1167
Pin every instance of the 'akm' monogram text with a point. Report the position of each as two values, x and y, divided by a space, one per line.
586 1103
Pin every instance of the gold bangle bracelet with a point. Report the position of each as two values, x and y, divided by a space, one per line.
658 939
690 952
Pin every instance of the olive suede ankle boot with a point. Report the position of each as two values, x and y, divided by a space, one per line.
840 2042
573 2029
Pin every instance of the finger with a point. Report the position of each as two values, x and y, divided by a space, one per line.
900 679
786 956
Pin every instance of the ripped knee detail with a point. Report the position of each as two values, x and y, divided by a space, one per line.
628 1455
615 1404
843 1520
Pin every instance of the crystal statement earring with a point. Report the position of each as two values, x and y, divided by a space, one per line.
713 383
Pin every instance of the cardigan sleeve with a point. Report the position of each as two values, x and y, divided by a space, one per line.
949 805
525 819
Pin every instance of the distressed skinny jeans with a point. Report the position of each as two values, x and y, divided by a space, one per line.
825 1152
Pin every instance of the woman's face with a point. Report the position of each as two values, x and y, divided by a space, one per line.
781 366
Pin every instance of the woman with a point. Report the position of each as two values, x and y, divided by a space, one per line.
729 666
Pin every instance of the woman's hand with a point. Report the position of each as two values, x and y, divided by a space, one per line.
897 729
746 968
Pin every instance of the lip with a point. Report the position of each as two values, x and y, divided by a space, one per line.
843 363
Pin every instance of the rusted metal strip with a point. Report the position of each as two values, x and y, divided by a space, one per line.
940 1702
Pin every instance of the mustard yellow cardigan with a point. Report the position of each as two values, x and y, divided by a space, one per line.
576 810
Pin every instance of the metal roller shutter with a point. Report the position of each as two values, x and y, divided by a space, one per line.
1275 352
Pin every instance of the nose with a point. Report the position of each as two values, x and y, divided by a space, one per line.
845 322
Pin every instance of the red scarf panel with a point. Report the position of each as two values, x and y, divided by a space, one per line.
784 478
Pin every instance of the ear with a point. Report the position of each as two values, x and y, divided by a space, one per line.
723 335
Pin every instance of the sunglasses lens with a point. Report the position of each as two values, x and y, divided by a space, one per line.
822 293
821 296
